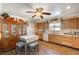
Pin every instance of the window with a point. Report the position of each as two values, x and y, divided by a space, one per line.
55 26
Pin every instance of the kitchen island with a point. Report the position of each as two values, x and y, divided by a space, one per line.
28 39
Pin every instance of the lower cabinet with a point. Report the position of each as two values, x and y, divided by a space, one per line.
55 38
0 45
40 34
13 43
64 40
75 42
5 44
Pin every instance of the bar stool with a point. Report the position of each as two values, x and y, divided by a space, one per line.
33 48
20 48
22 40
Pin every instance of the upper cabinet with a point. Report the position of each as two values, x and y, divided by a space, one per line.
43 25
78 23
70 23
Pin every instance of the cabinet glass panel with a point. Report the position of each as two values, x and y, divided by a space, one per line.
0 28
19 29
24 29
5 31
13 30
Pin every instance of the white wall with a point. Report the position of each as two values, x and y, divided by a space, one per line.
0 6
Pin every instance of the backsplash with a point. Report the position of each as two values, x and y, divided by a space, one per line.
69 31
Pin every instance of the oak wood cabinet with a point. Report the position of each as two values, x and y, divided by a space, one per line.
43 25
70 23
75 42
40 34
78 23
9 35
5 33
64 40
0 45
54 38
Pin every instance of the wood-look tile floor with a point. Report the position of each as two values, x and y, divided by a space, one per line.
46 48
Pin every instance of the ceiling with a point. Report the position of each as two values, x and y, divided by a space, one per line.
56 9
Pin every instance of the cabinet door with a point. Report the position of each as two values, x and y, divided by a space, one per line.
13 30
13 44
24 29
43 25
5 30
0 29
65 24
66 40
19 29
58 39
70 23
73 23
50 38
75 42
53 38
5 44
40 34
0 45
78 23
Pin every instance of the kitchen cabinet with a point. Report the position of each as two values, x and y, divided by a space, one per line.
43 25
78 23
5 33
70 23
64 40
75 42
50 37
40 34
9 35
13 43
54 38
0 37
40 27
0 45
14 28
24 29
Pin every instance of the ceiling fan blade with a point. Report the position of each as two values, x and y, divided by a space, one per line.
33 16
45 13
30 12
41 17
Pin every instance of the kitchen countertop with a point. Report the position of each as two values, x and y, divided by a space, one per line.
66 35
29 38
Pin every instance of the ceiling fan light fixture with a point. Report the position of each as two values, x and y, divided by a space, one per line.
38 14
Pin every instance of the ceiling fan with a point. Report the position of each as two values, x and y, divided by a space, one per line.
39 12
